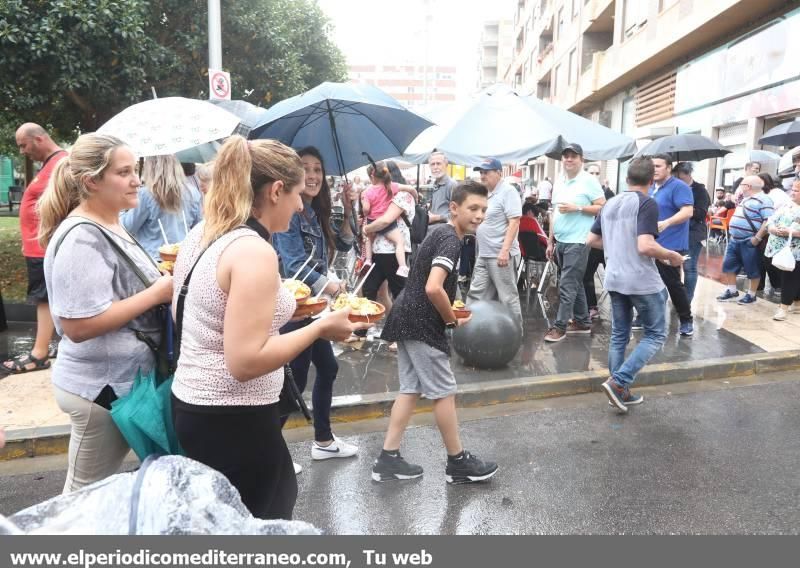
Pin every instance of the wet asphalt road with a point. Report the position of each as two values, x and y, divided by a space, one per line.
693 461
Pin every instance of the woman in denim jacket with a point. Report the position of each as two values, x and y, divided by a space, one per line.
311 230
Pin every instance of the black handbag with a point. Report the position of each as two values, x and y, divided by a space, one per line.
166 350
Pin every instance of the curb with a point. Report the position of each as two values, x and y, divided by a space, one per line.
33 442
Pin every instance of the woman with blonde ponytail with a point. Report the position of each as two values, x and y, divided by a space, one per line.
166 202
97 300
230 372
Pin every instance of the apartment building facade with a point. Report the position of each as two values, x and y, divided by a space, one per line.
416 86
496 52
647 68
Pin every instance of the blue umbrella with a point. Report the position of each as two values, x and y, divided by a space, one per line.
343 121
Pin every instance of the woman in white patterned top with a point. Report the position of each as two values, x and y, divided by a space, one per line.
230 372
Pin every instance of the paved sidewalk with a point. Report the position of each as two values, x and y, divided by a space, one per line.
727 329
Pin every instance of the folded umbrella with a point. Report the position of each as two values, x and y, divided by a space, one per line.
685 148
166 126
343 121
786 134
144 417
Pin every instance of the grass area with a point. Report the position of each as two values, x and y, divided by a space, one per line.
13 274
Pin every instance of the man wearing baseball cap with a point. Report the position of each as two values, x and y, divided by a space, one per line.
495 273
577 198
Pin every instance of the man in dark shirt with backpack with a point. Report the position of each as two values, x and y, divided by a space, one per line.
419 319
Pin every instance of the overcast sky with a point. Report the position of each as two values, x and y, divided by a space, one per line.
393 31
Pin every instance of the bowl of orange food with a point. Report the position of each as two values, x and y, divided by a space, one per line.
460 310
300 289
310 307
362 310
166 266
169 253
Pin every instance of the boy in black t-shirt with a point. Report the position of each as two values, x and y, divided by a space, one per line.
418 321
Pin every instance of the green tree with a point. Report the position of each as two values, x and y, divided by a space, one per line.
73 64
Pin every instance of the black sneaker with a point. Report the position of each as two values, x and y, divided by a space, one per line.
389 467
636 324
468 469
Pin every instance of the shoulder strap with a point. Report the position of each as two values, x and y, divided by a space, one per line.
181 301
747 217
117 248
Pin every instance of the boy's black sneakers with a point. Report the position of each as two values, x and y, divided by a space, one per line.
388 467
468 469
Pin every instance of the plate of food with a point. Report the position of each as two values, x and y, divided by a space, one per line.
300 289
460 310
166 266
310 307
362 310
169 253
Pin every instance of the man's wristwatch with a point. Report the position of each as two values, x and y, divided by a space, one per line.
451 324
580 209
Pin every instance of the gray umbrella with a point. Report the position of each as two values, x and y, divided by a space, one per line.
199 154
248 113
512 128
786 134
685 147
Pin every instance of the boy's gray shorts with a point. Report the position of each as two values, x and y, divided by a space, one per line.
424 370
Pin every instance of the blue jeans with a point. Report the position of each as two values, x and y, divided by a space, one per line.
652 313
690 269
321 354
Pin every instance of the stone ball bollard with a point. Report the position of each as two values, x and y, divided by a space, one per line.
491 339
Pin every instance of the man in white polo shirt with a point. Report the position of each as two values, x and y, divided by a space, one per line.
495 274
577 198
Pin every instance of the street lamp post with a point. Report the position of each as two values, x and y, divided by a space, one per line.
214 35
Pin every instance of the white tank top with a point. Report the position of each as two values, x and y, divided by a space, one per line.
202 377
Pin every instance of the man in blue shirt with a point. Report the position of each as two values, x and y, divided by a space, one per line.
675 208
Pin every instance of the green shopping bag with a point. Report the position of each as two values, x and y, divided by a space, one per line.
144 417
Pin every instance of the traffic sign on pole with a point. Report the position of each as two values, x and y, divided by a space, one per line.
219 84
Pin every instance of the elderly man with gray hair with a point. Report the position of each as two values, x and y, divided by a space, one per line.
746 236
443 186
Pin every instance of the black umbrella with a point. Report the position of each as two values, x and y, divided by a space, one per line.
685 147
786 134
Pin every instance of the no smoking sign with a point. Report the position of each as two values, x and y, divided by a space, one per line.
219 84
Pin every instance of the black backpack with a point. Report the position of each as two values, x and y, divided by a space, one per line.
419 227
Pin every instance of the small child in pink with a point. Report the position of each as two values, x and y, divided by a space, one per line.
374 202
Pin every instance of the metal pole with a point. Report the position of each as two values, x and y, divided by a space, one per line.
214 35
337 149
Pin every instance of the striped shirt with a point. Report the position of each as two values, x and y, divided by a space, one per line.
750 215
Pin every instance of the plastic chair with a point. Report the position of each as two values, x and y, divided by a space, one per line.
534 254
719 223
